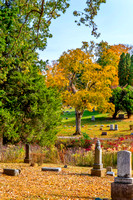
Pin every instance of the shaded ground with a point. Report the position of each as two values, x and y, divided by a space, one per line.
71 183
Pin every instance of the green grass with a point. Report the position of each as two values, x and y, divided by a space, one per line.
67 129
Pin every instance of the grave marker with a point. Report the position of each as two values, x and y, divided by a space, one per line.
27 154
116 127
122 188
111 127
93 118
98 166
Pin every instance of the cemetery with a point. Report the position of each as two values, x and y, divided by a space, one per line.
59 173
66 107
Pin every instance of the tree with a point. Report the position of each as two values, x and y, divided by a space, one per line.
116 99
110 55
131 72
29 110
122 98
127 100
125 72
122 70
83 84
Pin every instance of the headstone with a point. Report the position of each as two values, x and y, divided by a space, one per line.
131 127
116 127
27 154
122 188
124 172
93 118
11 172
102 125
101 128
98 166
109 171
104 133
108 125
121 116
55 169
95 125
111 127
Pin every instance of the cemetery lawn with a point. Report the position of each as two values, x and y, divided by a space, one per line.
70 183
67 128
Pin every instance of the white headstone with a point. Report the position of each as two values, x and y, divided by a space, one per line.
124 168
116 127
111 127
124 164
93 118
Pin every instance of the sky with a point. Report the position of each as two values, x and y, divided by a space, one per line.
114 21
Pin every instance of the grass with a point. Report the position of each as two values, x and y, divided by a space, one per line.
68 125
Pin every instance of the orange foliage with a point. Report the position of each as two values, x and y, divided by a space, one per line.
84 84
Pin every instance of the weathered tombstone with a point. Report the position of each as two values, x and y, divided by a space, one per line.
27 154
104 133
102 125
111 127
122 188
11 172
116 127
110 172
121 116
55 169
93 118
98 169
131 127
101 128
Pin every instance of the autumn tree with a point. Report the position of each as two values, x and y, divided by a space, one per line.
110 55
83 84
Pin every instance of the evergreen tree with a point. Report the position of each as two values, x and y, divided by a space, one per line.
29 111
128 66
131 72
122 70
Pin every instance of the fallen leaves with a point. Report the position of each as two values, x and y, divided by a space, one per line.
70 183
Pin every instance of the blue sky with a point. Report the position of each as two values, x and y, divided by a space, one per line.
114 20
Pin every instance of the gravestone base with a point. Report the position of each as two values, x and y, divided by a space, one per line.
11 172
98 172
121 191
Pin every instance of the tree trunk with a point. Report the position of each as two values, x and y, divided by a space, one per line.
78 122
129 115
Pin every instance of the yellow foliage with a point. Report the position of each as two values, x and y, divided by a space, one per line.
84 84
